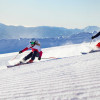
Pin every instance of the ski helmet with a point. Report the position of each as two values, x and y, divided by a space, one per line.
33 41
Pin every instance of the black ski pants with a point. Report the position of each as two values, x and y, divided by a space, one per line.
31 55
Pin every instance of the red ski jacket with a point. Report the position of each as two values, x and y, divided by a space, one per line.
35 48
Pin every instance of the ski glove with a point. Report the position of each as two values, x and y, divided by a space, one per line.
39 58
92 37
20 52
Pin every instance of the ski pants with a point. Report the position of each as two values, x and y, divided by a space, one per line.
31 55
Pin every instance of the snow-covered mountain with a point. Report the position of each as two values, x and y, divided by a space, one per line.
72 77
15 38
91 29
16 32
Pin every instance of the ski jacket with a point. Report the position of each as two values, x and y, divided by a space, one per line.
34 48
98 45
96 35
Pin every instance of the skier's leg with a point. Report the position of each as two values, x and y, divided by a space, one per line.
40 55
34 55
28 56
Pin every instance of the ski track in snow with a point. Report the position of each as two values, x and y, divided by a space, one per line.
69 78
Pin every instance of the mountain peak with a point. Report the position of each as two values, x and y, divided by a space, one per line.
91 29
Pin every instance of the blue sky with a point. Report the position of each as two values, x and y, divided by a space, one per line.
60 13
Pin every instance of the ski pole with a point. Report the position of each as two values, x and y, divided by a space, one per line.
90 41
50 58
15 56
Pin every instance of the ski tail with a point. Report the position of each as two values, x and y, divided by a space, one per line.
92 51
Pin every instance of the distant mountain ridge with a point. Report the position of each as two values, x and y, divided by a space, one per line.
16 32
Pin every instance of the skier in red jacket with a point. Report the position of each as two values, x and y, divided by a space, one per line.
36 51
98 44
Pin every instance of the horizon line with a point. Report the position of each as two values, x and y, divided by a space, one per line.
46 26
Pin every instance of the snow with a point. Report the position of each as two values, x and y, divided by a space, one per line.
72 77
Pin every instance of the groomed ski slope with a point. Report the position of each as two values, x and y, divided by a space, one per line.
73 77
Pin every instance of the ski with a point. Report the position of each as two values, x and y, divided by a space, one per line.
92 51
9 66
48 59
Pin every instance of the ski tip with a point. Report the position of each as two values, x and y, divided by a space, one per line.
83 53
9 66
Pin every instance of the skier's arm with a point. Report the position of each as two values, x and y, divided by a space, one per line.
95 35
23 50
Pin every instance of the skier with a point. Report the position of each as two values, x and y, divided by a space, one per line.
36 51
98 44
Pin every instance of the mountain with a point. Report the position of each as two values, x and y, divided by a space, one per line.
16 32
91 29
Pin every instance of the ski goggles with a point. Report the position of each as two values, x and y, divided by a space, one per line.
32 42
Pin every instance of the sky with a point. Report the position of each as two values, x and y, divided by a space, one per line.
59 13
